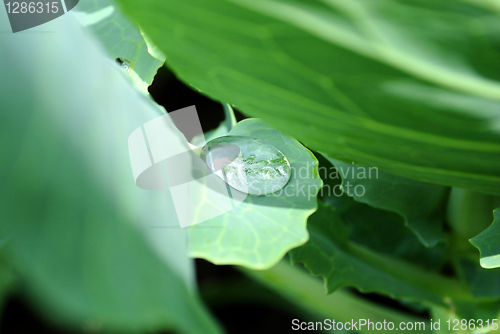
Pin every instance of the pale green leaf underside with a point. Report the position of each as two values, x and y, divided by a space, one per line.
488 243
120 37
76 224
411 88
258 232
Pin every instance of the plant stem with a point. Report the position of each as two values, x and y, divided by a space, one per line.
442 315
308 293
470 212
425 280
230 119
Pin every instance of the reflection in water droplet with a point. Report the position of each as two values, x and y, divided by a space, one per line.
126 64
247 164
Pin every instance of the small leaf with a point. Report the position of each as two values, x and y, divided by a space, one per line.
259 231
488 243
380 230
384 232
419 203
330 254
484 283
485 310
121 37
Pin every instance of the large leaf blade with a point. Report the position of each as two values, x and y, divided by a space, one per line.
383 77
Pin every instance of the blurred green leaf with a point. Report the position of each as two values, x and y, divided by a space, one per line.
419 203
411 87
341 262
121 37
259 231
76 224
488 243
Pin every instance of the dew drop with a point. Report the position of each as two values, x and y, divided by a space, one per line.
247 164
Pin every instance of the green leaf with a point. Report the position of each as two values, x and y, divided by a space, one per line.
121 37
341 262
411 87
419 203
488 243
484 283
485 310
259 231
76 225
307 292
384 232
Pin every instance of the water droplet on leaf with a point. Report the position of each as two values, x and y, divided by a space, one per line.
247 164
